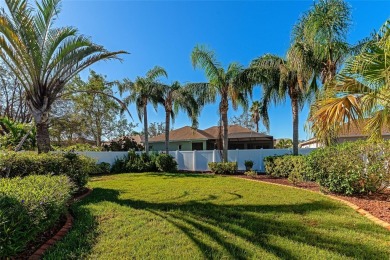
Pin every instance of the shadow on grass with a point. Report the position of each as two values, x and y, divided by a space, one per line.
79 241
219 222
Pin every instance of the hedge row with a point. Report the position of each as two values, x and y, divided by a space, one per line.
223 167
21 164
28 207
133 162
348 168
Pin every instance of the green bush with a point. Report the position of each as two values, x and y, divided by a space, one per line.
287 166
134 162
27 163
223 167
166 163
351 168
248 165
251 173
29 206
102 168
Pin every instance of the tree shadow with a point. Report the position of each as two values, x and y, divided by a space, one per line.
219 222
81 238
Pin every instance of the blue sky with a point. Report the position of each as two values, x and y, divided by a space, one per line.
165 32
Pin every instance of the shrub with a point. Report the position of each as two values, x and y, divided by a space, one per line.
102 168
251 173
351 168
27 163
284 166
166 163
133 162
223 167
28 207
248 164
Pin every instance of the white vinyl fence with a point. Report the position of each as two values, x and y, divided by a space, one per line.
198 160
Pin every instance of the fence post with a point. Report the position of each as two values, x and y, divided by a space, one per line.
194 160
214 157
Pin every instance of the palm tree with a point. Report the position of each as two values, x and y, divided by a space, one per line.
227 84
44 58
255 113
361 91
321 33
280 78
142 91
174 97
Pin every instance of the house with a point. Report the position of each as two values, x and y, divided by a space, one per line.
189 139
347 134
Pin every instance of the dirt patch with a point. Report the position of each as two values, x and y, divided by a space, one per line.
377 204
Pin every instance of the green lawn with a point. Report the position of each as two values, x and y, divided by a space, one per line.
177 216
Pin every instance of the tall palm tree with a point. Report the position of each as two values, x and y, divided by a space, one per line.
44 58
281 78
227 84
361 91
321 34
255 113
174 97
142 91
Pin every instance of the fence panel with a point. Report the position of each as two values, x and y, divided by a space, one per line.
198 160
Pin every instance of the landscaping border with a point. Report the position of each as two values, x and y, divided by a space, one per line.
351 205
60 234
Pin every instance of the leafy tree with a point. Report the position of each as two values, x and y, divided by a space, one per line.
361 91
92 99
44 58
174 97
142 91
284 143
155 129
16 136
245 120
12 101
227 84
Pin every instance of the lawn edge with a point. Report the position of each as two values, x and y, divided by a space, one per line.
359 210
38 254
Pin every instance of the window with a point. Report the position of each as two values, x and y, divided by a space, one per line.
179 147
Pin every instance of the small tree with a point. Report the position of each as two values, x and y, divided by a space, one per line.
44 58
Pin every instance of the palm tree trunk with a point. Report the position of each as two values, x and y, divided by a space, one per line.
146 129
257 126
167 126
295 108
225 139
42 136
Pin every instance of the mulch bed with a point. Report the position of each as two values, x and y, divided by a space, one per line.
377 204
43 238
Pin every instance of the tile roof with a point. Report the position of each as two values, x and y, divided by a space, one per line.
235 131
184 133
187 133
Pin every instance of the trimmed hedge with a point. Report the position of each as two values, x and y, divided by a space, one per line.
223 167
285 165
28 207
21 164
351 168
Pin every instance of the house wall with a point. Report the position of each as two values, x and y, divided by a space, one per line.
173 146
